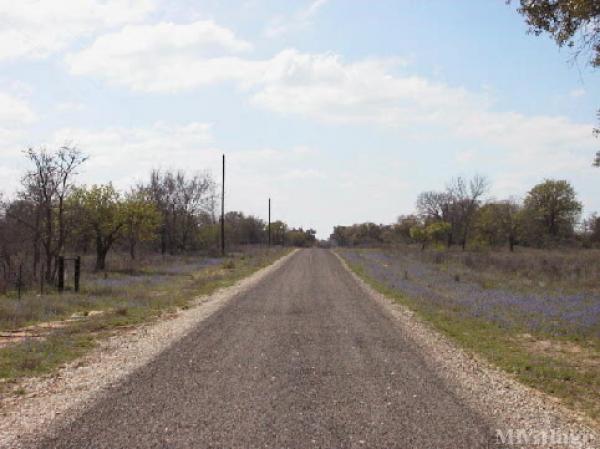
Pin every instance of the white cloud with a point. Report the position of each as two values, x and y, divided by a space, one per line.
325 88
14 111
127 154
38 28
281 25
15 115
163 57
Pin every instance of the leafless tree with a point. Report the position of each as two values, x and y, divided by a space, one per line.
46 185
466 196
184 202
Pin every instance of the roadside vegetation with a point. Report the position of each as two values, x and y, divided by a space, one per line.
143 253
516 282
45 332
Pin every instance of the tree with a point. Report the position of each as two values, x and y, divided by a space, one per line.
456 206
300 237
184 203
102 210
496 223
438 232
571 23
47 185
465 201
142 219
597 159
419 235
403 225
553 206
278 231
433 205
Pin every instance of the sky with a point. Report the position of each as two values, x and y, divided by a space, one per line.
341 111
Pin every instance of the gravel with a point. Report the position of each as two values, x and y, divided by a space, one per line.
59 398
301 354
492 392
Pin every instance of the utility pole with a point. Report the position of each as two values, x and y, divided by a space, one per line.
269 221
223 211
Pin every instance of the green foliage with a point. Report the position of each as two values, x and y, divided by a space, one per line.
300 237
99 207
551 209
438 232
142 219
497 223
101 210
358 234
435 232
419 235
572 23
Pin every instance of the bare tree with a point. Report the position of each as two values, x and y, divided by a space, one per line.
466 196
184 204
47 185
437 206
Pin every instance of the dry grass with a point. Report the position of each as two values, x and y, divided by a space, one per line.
568 269
104 305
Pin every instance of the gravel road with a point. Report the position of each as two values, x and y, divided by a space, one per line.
303 359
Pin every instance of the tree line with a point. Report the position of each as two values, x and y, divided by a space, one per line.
169 213
549 215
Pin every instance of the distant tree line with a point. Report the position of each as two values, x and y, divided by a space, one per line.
549 215
171 213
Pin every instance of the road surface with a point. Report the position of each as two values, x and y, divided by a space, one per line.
302 360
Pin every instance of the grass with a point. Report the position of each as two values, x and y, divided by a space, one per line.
565 376
566 269
122 306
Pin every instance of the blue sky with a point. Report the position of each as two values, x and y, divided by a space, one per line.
341 110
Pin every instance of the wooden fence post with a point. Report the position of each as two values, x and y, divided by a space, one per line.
61 274
20 280
77 272
42 279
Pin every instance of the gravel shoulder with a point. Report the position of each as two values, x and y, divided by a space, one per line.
57 399
301 354
492 392
301 359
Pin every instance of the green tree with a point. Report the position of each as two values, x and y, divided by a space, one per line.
571 23
102 210
419 235
142 220
553 206
497 223
438 231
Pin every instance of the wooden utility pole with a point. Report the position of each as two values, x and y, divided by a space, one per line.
223 211
269 221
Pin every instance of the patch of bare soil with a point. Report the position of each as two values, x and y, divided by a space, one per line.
40 331
576 354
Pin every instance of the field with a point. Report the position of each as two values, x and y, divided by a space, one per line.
40 332
534 313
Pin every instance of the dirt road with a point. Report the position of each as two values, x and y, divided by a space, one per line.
302 360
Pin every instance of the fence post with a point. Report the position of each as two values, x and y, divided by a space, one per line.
20 280
42 279
77 272
61 274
